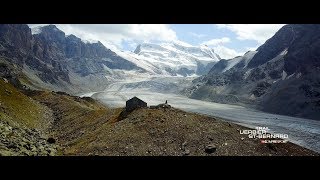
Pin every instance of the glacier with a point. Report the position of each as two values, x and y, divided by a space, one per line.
156 90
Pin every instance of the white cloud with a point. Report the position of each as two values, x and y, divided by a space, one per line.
226 53
182 43
197 35
222 51
257 32
251 48
214 42
132 44
115 34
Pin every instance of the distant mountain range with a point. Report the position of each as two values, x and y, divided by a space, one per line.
282 76
45 57
53 60
173 59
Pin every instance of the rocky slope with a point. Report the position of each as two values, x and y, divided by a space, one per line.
17 141
33 123
282 76
52 60
24 124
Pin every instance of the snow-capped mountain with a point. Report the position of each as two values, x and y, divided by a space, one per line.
238 62
175 59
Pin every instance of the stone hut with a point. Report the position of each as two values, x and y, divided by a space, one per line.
135 103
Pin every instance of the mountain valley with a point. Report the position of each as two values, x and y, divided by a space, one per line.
62 95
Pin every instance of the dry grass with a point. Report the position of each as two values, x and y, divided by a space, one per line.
154 132
20 109
74 118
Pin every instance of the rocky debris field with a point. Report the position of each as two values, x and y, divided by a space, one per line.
17 141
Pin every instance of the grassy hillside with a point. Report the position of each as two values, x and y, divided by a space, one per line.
24 124
76 118
172 132
19 109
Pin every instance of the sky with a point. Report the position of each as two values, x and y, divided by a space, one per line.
227 40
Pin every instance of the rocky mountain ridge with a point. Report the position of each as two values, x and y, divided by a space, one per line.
56 61
281 76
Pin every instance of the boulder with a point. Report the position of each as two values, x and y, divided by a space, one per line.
210 148
186 152
51 140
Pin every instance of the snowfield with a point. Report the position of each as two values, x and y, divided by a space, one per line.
304 132
166 58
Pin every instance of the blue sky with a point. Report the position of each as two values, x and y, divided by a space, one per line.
196 34
227 40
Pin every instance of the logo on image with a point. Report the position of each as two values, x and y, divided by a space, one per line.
266 137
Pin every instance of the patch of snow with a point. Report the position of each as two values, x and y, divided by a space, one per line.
89 41
284 75
193 75
107 69
284 52
181 43
298 75
252 97
291 76
248 56
232 62
246 74
36 30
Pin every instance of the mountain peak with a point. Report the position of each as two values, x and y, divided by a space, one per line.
73 38
51 28
181 43
51 33
138 49
286 37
